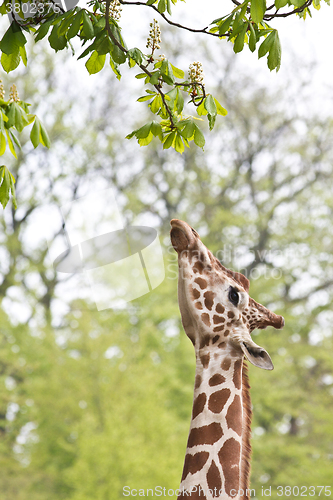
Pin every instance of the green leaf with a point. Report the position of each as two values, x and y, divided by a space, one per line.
144 98
87 28
156 130
210 105
220 110
188 130
95 63
42 31
154 77
115 69
35 133
274 56
239 41
7 187
44 137
179 102
224 26
258 9
166 72
179 73
63 27
179 145
146 140
201 110
3 143
161 6
12 40
10 62
281 3
168 140
143 132
136 55
104 46
156 104
74 29
91 48
23 55
39 135
11 145
266 45
118 55
57 42
211 121
16 117
252 39
198 137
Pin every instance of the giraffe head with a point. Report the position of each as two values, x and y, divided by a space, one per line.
215 306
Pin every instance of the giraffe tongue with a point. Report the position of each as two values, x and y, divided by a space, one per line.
179 239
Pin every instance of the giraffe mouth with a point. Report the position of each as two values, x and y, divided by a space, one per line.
181 234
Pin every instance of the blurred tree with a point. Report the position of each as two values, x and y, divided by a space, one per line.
93 401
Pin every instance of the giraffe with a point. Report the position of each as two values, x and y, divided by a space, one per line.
218 316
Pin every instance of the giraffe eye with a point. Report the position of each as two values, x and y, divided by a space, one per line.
233 296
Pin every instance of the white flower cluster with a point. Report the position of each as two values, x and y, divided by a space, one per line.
154 38
115 10
196 73
2 90
13 94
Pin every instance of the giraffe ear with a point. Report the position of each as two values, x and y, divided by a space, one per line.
242 280
257 355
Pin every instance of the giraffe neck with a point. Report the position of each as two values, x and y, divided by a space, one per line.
218 449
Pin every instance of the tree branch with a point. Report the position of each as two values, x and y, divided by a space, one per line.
177 25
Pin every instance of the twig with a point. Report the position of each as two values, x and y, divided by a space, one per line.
177 25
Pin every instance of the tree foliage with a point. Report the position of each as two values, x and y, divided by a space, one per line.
93 401
98 28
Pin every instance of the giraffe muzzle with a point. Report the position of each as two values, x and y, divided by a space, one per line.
182 235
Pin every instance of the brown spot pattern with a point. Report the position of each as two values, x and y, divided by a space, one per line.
237 379
216 379
218 328
225 365
214 479
226 333
198 267
205 360
201 282
216 338
204 341
218 399
219 308
205 318
218 319
223 345
194 463
195 293
209 300
197 493
234 416
207 434
231 314
198 305
199 405
229 456
198 381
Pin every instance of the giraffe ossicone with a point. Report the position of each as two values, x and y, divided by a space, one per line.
218 316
